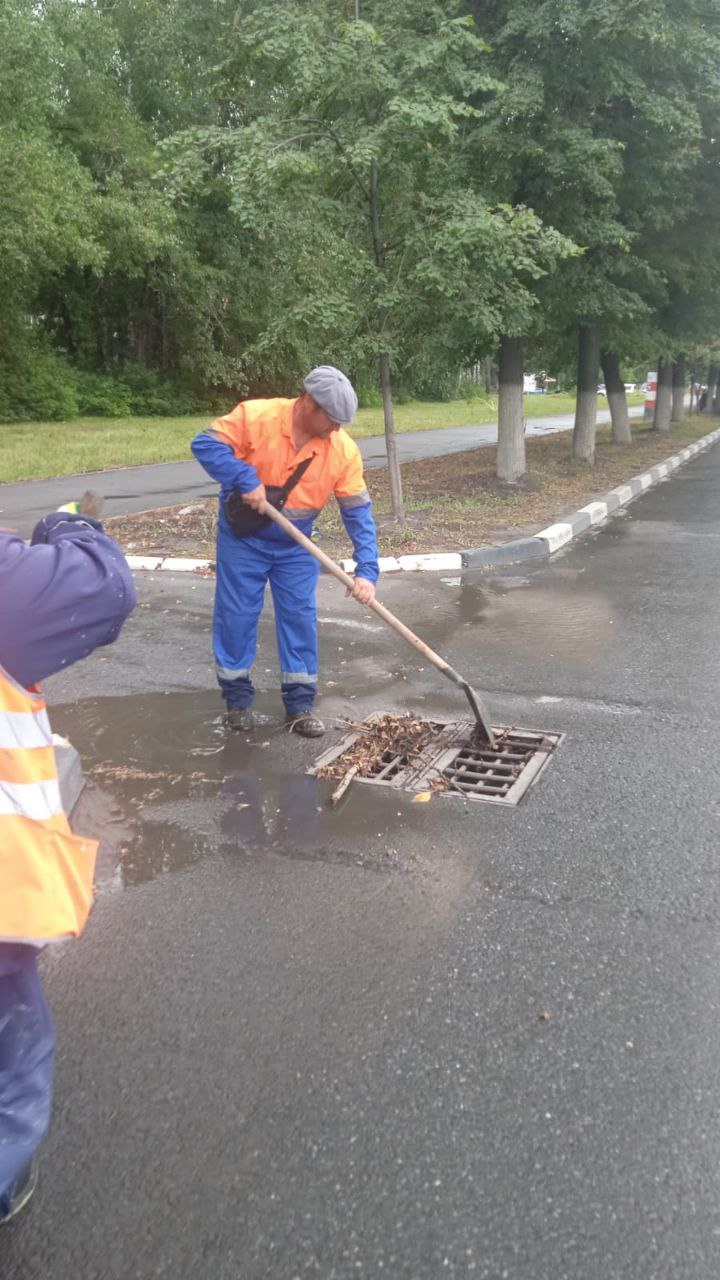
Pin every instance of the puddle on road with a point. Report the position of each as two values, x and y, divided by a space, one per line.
559 613
169 786
569 619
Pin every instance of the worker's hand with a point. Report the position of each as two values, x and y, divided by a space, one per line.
363 591
256 499
91 504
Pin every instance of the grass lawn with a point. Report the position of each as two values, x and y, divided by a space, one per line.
32 450
453 502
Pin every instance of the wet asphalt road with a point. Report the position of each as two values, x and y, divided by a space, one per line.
297 1043
128 489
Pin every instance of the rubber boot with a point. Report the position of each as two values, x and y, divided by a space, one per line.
306 724
240 718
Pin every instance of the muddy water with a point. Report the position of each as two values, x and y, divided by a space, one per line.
169 786
562 614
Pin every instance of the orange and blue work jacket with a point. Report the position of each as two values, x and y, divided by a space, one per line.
253 444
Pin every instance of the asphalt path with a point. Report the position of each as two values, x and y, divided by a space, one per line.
129 489
300 1042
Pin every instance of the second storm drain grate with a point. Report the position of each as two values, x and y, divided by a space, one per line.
454 764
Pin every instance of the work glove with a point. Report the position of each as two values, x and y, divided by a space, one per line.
83 512
91 504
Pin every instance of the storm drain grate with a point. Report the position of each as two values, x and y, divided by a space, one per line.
453 763
501 774
389 768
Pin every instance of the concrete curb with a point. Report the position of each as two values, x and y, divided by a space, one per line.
540 547
548 541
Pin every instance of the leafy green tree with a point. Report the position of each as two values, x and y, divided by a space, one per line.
598 130
218 196
353 126
45 195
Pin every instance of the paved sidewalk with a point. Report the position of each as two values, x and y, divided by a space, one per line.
132 489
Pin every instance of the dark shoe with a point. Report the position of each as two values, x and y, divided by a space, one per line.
239 718
306 724
19 1193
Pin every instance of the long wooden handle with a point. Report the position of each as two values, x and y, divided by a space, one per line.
478 710
283 523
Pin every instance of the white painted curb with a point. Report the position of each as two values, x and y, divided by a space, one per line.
553 538
557 535
176 563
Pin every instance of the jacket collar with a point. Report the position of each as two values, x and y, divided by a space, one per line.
287 419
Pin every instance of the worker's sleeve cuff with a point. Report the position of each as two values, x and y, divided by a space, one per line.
371 572
247 480
62 524
360 526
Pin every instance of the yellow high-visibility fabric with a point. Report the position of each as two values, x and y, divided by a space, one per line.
46 872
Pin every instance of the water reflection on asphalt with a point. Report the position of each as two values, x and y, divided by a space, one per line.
169 785
177 787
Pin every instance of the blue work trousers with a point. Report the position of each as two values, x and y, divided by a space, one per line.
244 567
27 1047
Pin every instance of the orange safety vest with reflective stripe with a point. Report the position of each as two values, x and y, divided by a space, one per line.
260 433
46 872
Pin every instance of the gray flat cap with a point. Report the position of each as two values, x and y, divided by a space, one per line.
333 392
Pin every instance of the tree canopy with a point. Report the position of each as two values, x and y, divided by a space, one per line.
200 199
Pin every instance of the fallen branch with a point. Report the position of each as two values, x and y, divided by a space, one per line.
339 792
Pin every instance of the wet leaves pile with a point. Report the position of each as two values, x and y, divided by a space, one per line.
379 741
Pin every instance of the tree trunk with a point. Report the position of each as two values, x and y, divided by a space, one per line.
710 395
663 400
394 477
678 390
617 400
510 463
583 442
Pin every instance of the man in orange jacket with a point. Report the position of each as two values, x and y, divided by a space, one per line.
61 597
290 452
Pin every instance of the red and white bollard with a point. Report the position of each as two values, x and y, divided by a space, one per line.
650 395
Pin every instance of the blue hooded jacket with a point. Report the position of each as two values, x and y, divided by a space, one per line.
66 594
63 596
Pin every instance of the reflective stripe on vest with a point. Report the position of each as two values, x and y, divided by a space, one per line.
17 729
46 872
35 800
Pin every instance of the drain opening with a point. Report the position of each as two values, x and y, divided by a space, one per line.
441 756
502 774
387 768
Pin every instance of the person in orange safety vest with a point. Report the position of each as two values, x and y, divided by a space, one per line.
61 597
294 454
